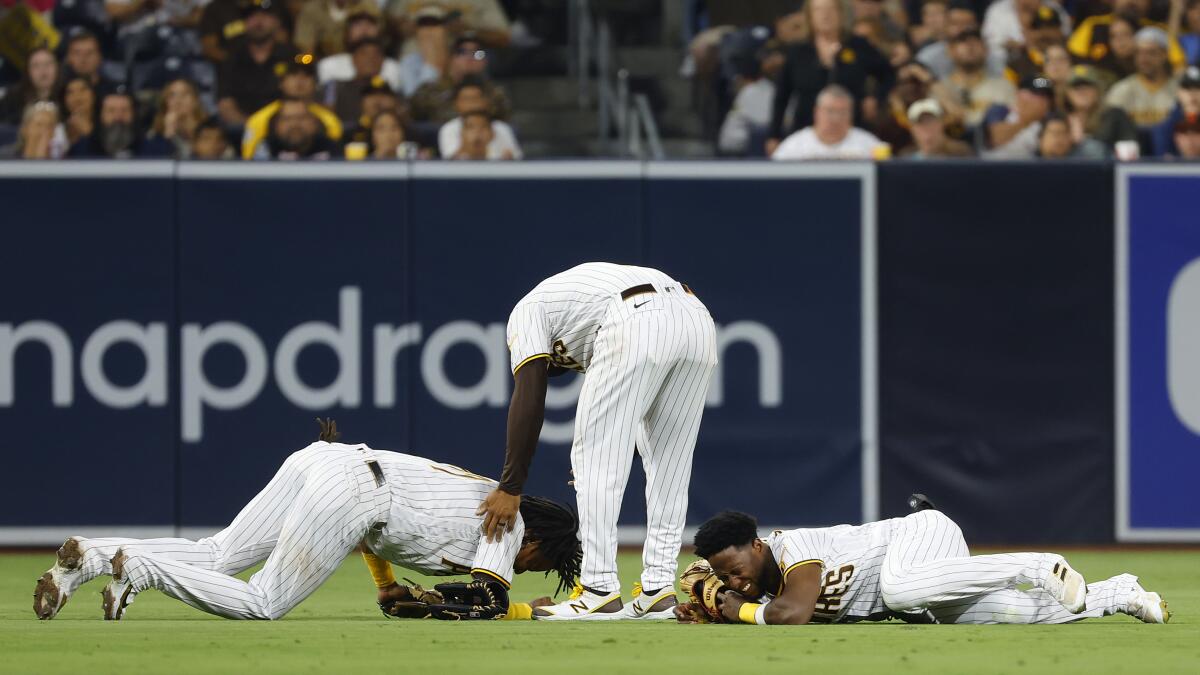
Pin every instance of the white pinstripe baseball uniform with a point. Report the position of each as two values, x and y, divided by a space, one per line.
648 346
322 502
921 562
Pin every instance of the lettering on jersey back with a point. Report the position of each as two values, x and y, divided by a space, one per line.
833 587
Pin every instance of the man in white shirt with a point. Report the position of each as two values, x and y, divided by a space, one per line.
832 135
472 98
1003 26
340 67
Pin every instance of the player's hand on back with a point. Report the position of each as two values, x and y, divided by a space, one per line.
499 511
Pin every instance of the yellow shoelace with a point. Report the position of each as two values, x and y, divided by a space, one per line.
637 589
576 592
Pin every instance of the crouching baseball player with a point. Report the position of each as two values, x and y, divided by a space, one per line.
323 502
916 569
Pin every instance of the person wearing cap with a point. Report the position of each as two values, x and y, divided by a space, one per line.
913 83
376 97
298 82
1187 96
1005 20
745 126
483 18
471 97
969 84
433 102
960 17
1087 115
1092 39
1148 95
928 128
1187 138
832 134
340 67
429 50
1045 31
1012 133
249 78
321 25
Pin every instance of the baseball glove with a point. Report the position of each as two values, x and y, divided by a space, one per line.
478 599
415 608
703 588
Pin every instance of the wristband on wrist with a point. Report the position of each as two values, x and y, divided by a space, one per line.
749 612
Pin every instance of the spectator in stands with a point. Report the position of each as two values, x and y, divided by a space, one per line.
1092 39
298 82
1045 31
39 82
221 24
1187 107
116 135
1055 141
367 59
387 138
1005 21
211 142
179 114
434 101
960 17
1189 36
321 25
297 135
249 77
1149 94
1117 55
914 82
832 134
1012 133
1187 138
478 139
830 56
431 50
84 59
874 23
483 18
135 15
471 97
970 85
40 135
79 105
340 67
932 28
375 97
929 133
1088 117
744 130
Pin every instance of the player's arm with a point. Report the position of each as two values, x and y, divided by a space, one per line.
526 412
794 606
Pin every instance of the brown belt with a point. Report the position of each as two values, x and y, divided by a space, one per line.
648 288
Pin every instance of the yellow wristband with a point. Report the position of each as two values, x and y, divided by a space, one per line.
381 570
748 611
519 611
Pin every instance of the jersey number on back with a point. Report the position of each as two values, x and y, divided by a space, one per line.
834 586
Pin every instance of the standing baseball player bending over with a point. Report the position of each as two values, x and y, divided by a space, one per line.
323 502
648 346
915 568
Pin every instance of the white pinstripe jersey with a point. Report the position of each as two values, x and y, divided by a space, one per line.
432 527
850 556
560 316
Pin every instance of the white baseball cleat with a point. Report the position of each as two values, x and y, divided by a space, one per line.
118 594
657 605
54 587
583 605
1148 606
1066 585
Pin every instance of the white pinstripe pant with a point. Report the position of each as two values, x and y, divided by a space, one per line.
315 510
645 389
928 566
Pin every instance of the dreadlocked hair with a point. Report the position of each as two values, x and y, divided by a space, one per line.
727 528
555 527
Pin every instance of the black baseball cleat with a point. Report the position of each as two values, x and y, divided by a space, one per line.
918 502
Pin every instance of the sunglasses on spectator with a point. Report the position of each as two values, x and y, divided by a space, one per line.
475 54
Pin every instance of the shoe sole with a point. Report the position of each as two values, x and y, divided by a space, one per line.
48 596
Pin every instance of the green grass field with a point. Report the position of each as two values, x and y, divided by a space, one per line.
339 629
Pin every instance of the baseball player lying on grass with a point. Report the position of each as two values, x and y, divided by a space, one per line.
325 501
915 568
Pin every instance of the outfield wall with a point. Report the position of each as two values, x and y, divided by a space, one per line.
168 332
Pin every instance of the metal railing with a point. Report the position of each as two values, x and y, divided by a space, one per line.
625 124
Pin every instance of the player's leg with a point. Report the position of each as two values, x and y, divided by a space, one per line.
331 513
1036 605
672 426
928 562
